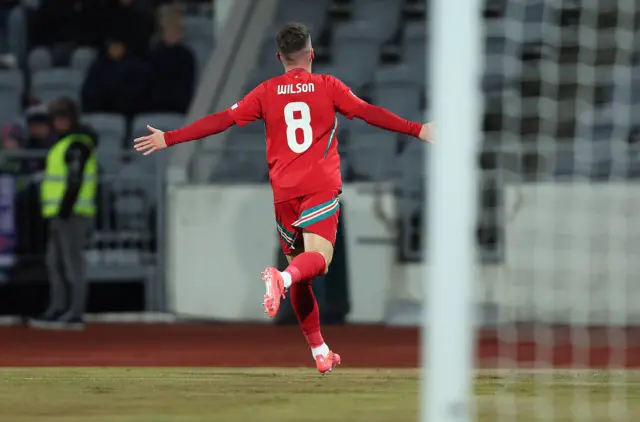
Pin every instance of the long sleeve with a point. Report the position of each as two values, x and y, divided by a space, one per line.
383 118
209 125
350 105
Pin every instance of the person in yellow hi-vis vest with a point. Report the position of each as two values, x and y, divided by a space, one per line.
68 201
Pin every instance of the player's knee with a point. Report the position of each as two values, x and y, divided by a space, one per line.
327 261
316 243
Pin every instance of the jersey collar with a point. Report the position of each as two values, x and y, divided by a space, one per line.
296 69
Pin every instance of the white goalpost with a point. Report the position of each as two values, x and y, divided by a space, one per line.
531 269
454 51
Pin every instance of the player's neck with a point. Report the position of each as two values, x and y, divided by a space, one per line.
297 67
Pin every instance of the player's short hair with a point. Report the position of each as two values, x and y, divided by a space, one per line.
292 38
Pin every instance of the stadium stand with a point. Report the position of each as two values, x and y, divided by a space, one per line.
378 48
124 245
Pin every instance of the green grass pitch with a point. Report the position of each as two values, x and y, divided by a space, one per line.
301 395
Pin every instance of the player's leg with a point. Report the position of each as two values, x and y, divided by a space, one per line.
317 217
318 222
286 213
320 241
305 306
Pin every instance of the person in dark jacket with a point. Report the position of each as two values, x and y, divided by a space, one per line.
173 69
116 82
128 21
68 201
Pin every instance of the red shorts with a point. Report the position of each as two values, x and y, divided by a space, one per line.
316 213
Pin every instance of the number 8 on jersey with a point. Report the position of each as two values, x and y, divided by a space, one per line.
295 123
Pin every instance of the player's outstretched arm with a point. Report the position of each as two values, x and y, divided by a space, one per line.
348 104
157 139
385 119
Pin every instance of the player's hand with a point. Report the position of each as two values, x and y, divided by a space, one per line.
426 133
150 143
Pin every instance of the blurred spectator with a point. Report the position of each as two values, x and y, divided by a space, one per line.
40 134
65 120
68 203
116 82
66 24
129 24
12 141
25 200
172 66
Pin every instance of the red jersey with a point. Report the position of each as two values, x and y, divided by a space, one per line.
299 111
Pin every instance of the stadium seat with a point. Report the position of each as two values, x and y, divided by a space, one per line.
39 59
11 88
109 162
412 161
268 65
311 13
111 129
201 52
597 124
597 161
395 90
535 11
243 158
635 89
495 46
198 27
255 78
162 121
497 50
371 151
344 73
494 8
199 37
82 58
414 49
385 15
267 51
356 52
131 211
49 85
535 17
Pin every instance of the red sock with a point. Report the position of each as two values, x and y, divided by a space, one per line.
305 306
306 266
